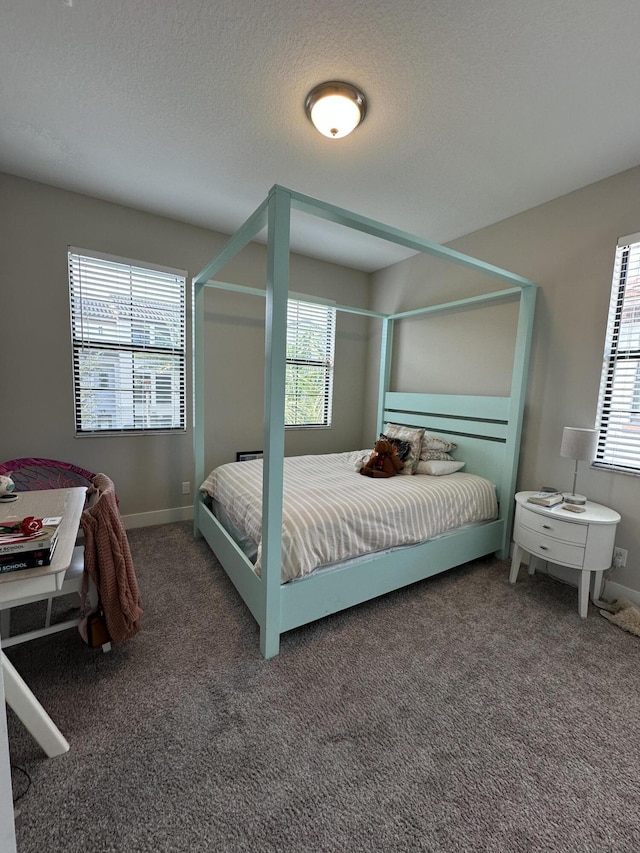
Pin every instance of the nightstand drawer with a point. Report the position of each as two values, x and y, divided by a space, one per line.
550 549
568 531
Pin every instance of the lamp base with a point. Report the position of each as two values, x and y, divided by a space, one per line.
570 498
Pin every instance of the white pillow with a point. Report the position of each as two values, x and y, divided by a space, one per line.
438 467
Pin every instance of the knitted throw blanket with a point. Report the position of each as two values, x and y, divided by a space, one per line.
107 559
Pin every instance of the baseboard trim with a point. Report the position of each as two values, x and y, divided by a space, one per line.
615 590
160 516
611 590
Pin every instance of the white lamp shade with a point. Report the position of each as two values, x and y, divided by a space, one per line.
579 443
335 108
335 116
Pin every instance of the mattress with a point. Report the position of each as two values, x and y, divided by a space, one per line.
331 513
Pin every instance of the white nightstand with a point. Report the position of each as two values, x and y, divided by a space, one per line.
582 541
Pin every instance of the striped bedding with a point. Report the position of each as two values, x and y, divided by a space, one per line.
331 513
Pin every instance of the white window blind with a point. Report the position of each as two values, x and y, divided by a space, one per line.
309 379
128 333
619 398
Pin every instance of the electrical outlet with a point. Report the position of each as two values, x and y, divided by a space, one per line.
619 557
186 488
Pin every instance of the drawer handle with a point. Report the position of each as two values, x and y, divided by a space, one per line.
543 548
547 527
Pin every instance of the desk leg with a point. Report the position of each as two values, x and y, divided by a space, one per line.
30 712
515 563
583 593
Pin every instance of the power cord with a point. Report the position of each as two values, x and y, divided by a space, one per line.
555 577
24 772
598 602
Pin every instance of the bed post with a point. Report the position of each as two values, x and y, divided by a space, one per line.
279 219
519 376
197 326
386 347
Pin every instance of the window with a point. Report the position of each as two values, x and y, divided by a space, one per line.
619 399
128 333
309 380
164 391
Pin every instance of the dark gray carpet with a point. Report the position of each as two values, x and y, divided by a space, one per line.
460 714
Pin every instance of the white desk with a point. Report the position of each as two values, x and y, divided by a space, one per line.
15 586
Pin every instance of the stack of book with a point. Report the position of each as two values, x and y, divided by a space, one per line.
29 550
545 498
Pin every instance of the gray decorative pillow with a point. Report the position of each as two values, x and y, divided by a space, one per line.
429 455
411 434
402 447
432 442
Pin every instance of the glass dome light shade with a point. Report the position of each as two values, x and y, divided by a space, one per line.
335 108
335 116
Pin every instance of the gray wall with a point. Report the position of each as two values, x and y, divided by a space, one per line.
37 223
567 247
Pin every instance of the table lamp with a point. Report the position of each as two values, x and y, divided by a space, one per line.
578 444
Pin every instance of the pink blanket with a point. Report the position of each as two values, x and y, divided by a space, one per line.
107 559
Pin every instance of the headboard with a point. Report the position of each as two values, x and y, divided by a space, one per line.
478 425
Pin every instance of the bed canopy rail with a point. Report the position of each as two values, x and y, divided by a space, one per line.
488 428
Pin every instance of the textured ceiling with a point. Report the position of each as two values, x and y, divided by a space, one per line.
478 109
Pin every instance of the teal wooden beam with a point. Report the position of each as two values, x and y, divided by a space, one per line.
236 288
451 405
345 309
520 371
236 564
300 297
386 347
323 593
330 212
279 222
459 303
197 332
244 235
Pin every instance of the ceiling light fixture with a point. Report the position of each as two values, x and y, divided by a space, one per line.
335 108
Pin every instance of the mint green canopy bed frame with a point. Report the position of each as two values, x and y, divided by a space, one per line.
486 429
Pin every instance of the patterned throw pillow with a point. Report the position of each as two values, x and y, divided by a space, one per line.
402 447
429 455
413 436
432 442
